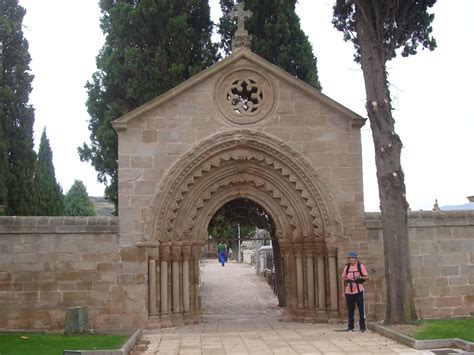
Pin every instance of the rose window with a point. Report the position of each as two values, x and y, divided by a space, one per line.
245 96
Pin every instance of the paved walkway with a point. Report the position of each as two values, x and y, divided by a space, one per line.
241 316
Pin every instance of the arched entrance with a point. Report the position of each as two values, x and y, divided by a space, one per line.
256 166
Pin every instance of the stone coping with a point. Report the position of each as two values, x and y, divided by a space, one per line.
373 220
58 225
124 350
421 344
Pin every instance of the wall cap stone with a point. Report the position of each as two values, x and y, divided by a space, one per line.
59 225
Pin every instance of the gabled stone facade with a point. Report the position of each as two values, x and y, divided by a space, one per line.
242 129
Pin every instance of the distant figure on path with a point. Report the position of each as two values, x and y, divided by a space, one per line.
354 275
221 250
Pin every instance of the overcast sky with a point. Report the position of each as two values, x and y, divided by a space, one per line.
432 93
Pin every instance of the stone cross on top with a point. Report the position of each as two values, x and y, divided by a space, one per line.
241 36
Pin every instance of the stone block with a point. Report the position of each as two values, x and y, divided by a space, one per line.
460 290
455 258
75 297
452 301
452 270
441 281
27 297
150 136
129 254
141 161
5 276
109 267
429 271
169 136
457 280
440 291
145 187
48 286
177 148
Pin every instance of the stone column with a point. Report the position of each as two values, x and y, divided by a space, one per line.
196 253
186 252
309 255
289 276
152 286
332 254
164 310
298 250
175 260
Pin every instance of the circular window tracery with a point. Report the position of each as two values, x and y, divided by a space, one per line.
244 96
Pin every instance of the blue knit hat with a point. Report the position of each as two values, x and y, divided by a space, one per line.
353 254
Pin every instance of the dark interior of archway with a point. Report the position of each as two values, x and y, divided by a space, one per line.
248 215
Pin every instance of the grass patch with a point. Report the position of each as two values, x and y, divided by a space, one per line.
55 344
445 329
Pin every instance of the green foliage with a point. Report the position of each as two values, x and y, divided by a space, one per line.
49 195
445 329
17 156
276 36
399 24
55 344
244 212
151 46
77 202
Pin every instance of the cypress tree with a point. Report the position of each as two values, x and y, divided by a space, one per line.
276 36
16 115
77 202
49 194
151 46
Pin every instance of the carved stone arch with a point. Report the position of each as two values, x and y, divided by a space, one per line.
241 174
243 190
256 149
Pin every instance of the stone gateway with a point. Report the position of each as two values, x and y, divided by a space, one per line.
243 128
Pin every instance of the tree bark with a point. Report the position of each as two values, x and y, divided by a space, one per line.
390 177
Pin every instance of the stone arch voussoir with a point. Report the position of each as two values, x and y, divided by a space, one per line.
262 165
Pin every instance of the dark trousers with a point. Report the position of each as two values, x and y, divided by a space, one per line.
351 301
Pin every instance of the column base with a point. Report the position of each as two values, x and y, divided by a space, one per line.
334 317
165 320
154 322
177 319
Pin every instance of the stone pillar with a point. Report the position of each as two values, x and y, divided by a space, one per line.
298 250
320 249
152 287
186 252
289 277
196 254
332 254
164 310
175 260
309 256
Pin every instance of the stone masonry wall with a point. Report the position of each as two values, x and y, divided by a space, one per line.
50 263
442 248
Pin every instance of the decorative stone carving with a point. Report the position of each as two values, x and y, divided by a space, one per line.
245 96
262 152
176 252
241 36
165 252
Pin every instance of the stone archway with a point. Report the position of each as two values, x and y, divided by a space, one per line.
242 164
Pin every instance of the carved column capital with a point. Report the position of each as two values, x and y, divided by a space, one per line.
196 251
308 247
332 252
186 250
165 251
320 248
176 252
285 246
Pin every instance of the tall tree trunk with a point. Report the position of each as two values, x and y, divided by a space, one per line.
393 204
